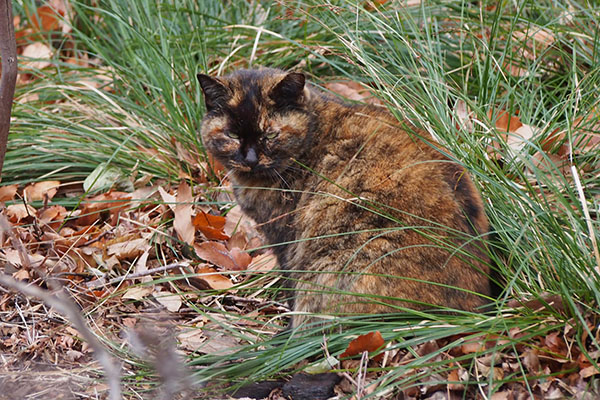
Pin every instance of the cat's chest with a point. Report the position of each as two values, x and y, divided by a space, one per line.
273 209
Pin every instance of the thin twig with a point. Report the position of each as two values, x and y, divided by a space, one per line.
97 283
362 375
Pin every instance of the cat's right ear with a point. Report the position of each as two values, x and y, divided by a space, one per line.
215 93
290 89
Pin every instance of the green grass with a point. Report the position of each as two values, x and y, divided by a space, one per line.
421 61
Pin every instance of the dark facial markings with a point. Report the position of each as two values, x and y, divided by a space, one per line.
255 98
243 118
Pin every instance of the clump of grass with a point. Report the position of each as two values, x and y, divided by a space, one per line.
138 99
423 61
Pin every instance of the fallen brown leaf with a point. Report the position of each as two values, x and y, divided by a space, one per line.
129 249
8 192
473 346
218 254
191 340
40 55
555 343
218 343
18 212
40 190
238 239
505 122
53 216
213 279
171 301
455 376
263 262
353 91
210 225
137 292
110 202
22 275
368 342
589 371
167 198
183 214
45 19
531 361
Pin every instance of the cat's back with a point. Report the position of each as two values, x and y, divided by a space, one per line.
365 153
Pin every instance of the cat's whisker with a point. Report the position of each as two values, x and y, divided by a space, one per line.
287 185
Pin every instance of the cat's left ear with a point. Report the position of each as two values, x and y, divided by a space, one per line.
290 89
215 93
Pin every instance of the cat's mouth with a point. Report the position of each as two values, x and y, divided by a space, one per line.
269 172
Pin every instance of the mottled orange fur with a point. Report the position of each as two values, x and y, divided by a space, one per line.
371 209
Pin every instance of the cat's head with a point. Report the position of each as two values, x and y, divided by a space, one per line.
256 120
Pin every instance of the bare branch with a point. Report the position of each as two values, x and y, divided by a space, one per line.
8 54
119 279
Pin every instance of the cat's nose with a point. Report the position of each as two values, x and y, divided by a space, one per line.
251 157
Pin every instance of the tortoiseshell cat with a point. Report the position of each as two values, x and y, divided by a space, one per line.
363 208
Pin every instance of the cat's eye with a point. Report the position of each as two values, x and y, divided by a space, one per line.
271 134
233 135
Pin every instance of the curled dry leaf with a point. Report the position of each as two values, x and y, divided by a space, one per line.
11 256
263 263
473 346
464 116
219 343
137 292
52 216
171 301
41 190
183 214
167 198
455 376
8 192
238 240
45 19
368 342
353 91
14 257
589 371
506 122
22 275
538 38
210 278
518 139
18 212
191 339
513 132
129 249
556 344
111 202
218 254
210 225
40 56
531 361
235 219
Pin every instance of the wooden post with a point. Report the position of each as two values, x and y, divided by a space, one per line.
8 53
